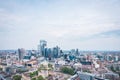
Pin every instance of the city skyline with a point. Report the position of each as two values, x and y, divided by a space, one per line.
86 25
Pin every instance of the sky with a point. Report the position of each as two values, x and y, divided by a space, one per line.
70 24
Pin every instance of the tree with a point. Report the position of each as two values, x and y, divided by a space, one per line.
33 79
50 66
67 70
112 68
35 73
31 75
40 78
17 77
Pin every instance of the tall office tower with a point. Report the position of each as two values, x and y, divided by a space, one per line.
38 48
77 52
43 45
46 53
56 52
109 57
73 52
21 53
116 58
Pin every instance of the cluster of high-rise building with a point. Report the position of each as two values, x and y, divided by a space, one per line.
87 65
49 53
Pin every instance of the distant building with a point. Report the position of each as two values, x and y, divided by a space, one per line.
74 77
116 58
52 53
46 53
32 63
2 78
111 76
8 60
42 47
73 52
11 58
49 51
21 53
56 52
108 57
86 76
77 52
26 58
83 76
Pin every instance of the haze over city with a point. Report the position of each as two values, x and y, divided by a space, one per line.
82 24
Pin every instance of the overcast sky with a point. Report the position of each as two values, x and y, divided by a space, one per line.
83 24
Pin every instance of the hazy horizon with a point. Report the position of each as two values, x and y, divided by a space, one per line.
70 24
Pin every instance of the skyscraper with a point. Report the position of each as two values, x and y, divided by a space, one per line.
42 47
21 53
77 52
56 52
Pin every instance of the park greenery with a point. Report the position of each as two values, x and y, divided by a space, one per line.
38 78
33 74
50 66
43 67
67 70
17 77
33 79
